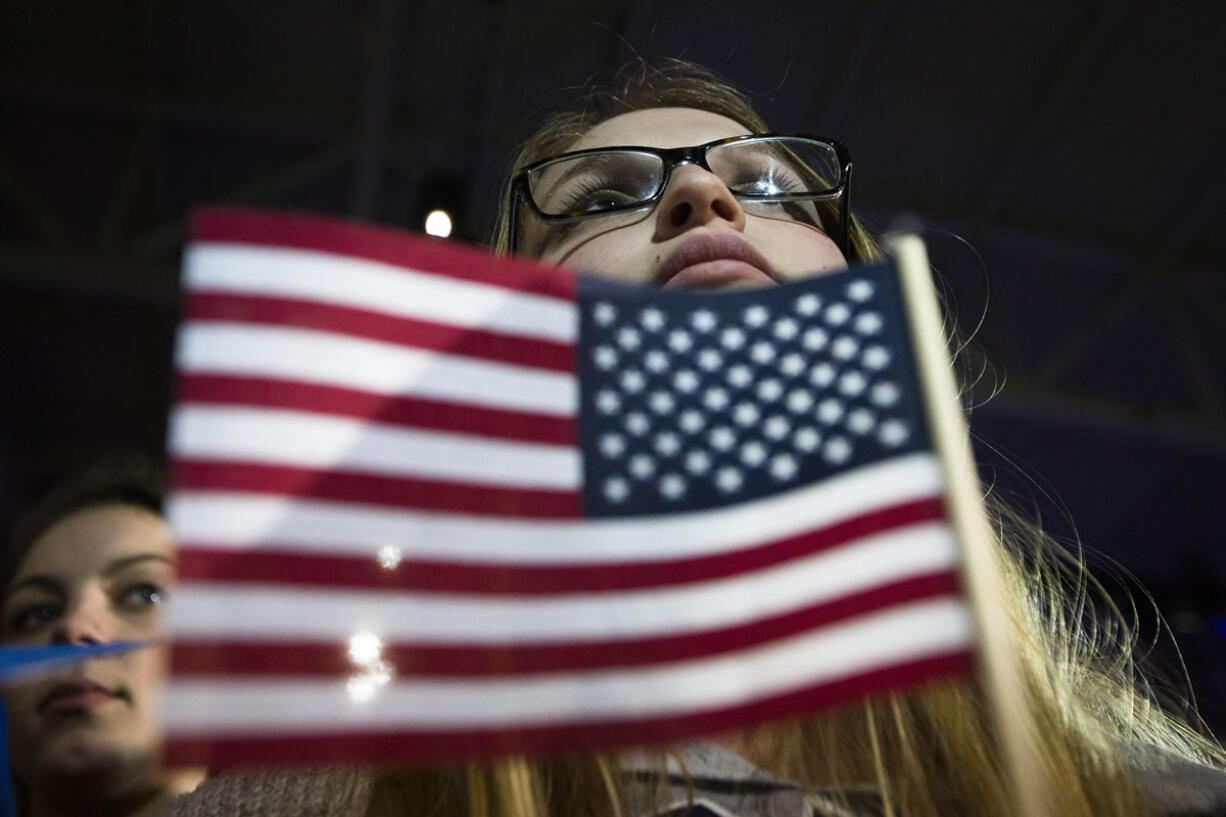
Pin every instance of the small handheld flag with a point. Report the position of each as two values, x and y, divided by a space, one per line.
435 505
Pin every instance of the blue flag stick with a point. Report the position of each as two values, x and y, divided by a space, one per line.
25 662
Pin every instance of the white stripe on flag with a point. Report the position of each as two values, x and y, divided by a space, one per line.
242 521
908 632
307 440
363 284
257 611
383 368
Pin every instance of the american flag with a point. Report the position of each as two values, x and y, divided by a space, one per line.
436 505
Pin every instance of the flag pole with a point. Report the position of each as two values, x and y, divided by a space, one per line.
997 656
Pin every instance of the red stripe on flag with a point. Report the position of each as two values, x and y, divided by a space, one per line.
374 489
191 657
434 747
281 564
355 240
380 326
378 408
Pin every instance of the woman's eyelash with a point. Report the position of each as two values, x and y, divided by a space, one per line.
143 594
582 190
31 617
779 180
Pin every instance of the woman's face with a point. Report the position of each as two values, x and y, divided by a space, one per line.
98 575
698 236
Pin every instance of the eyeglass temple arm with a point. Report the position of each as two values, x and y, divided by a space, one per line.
512 219
845 212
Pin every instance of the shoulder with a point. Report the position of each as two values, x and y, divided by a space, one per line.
706 780
297 793
1183 788
725 785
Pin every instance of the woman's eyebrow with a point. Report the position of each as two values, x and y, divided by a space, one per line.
121 564
49 584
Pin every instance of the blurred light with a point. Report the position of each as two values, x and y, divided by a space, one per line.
365 648
388 556
379 672
1219 626
438 223
361 688
439 203
364 685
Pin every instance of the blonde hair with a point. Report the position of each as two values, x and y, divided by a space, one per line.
929 752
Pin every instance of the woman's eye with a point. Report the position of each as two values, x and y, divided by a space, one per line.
145 594
594 201
33 617
770 185
596 192
607 199
764 187
767 178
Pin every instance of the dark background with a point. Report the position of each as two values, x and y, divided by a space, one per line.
1065 159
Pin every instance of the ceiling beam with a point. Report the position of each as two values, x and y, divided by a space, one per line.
830 112
1202 374
80 274
146 138
1027 400
1159 279
1178 289
30 202
177 114
634 34
376 105
488 69
1082 58
169 236
1090 333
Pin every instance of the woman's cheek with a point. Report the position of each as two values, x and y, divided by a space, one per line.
800 252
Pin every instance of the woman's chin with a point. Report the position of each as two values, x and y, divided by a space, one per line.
87 749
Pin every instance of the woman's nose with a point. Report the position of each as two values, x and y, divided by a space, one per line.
86 621
695 197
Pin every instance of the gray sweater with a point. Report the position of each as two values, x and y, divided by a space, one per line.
725 785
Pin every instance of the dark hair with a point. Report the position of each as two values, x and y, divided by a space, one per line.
126 479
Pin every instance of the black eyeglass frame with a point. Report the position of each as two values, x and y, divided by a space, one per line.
520 191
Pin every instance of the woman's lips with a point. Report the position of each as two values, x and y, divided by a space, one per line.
75 696
726 273
714 260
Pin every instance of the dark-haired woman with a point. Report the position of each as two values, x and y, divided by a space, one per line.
92 565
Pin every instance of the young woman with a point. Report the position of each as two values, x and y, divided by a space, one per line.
703 207
657 183
90 566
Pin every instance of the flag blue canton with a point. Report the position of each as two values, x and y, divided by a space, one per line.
697 400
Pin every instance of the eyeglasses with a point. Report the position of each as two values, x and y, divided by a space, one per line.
790 176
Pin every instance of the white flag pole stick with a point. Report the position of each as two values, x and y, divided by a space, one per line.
997 655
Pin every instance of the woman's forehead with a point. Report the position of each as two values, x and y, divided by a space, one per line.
661 128
87 540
